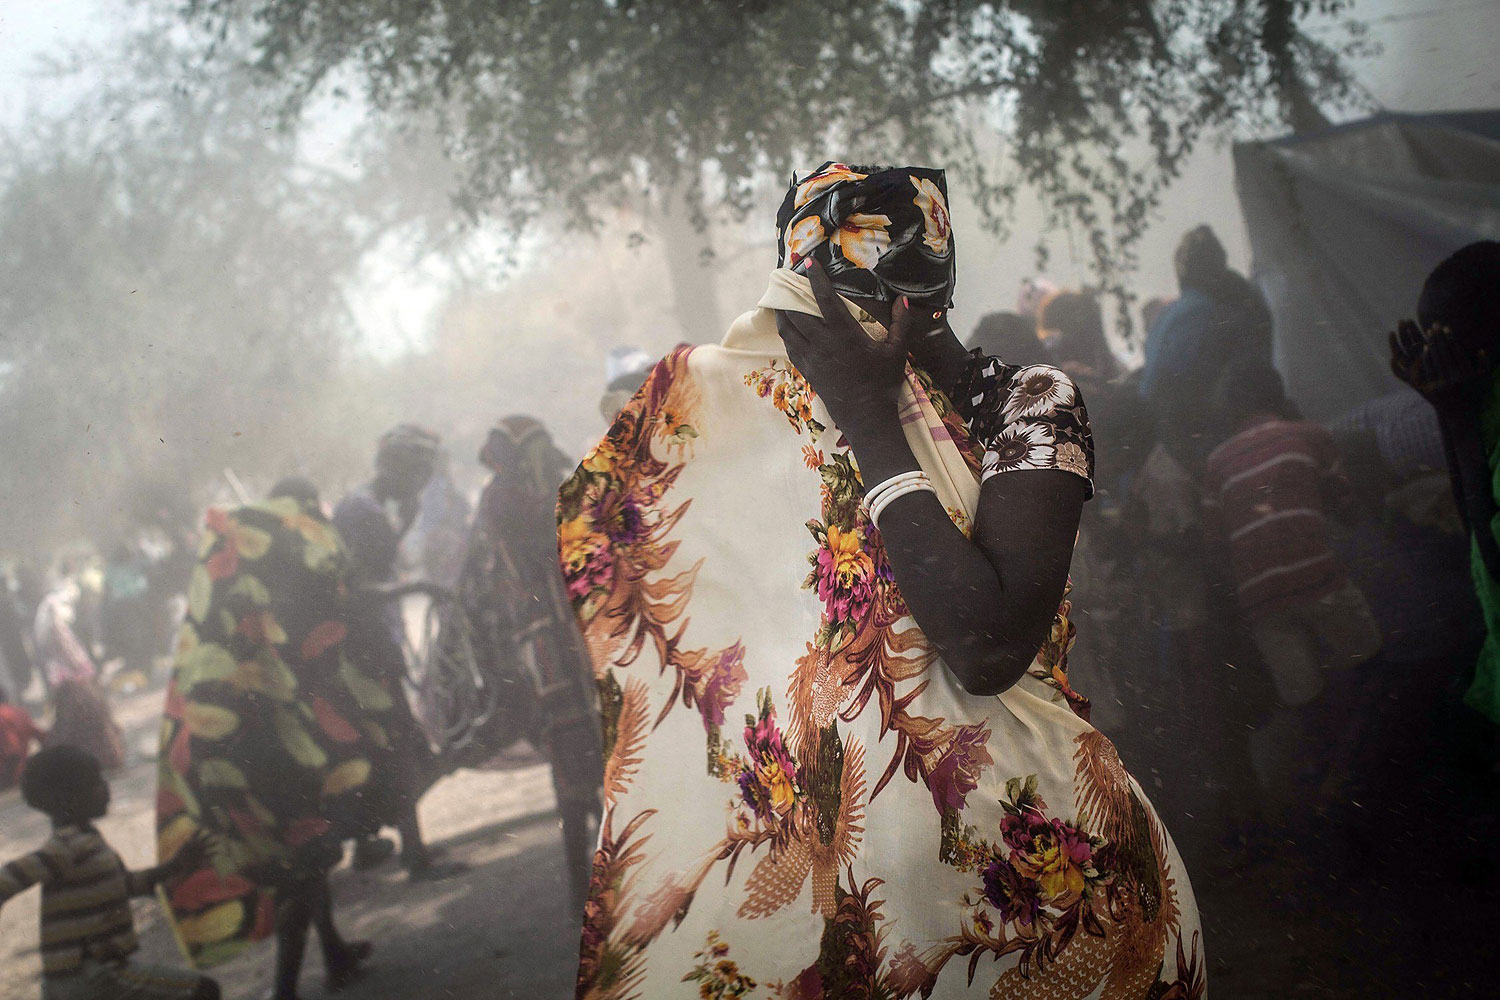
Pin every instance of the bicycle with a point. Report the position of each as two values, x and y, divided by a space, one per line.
455 700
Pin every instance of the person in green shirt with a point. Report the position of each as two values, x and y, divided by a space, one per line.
1449 355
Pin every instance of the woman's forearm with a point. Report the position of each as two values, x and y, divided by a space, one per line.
950 586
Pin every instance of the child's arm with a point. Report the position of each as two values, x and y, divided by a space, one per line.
189 857
40 867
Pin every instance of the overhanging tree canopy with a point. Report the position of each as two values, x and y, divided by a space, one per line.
567 104
172 299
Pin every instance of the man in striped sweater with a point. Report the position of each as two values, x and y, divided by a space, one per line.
88 933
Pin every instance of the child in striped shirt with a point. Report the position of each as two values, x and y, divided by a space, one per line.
87 932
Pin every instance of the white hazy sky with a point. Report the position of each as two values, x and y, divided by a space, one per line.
1439 54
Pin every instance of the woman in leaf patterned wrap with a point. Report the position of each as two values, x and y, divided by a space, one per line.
273 739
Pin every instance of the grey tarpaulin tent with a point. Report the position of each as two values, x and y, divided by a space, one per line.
1344 226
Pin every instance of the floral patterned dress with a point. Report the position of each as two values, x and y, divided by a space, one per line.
801 801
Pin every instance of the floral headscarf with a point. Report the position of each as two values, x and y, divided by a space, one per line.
880 232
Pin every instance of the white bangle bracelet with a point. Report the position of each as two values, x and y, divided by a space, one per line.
881 504
898 480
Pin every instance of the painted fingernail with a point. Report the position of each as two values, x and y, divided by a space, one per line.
906 301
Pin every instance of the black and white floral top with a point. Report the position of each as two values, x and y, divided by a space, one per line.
1029 417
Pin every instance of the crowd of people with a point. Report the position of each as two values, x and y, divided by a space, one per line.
1256 610
1279 586
291 721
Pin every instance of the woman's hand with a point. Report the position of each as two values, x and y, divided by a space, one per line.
1449 375
857 378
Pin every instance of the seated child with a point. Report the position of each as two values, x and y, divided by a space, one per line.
88 933
17 733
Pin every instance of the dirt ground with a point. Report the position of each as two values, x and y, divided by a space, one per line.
501 930
1394 900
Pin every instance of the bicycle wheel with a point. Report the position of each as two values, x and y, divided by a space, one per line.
455 694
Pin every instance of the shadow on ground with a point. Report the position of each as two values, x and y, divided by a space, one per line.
502 929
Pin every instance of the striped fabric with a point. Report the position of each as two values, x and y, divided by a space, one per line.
86 892
1265 492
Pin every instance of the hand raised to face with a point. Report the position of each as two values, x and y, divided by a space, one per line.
1446 372
856 376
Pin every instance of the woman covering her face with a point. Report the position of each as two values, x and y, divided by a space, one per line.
840 528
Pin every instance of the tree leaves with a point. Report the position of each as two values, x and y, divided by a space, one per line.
563 107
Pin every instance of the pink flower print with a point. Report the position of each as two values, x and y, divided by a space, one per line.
720 684
957 771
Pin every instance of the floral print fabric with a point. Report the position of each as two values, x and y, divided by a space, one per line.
800 801
880 232
272 733
1026 417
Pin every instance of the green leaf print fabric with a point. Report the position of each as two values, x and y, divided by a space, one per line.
274 737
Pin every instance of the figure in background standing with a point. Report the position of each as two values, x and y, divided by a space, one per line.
1071 325
18 731
442 526
1218 319
88 598
81 715
371 520
273 739
512 587
1405 549
15 652
1008 336
125 615
625 369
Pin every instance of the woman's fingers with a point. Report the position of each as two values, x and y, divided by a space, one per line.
903 326
791 335
810 330
824 292
913 324
835 313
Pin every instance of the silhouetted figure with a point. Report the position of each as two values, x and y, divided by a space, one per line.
1268 494
15 652
1008 336
1219 319
371 520
512 587
81 714
1449 355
